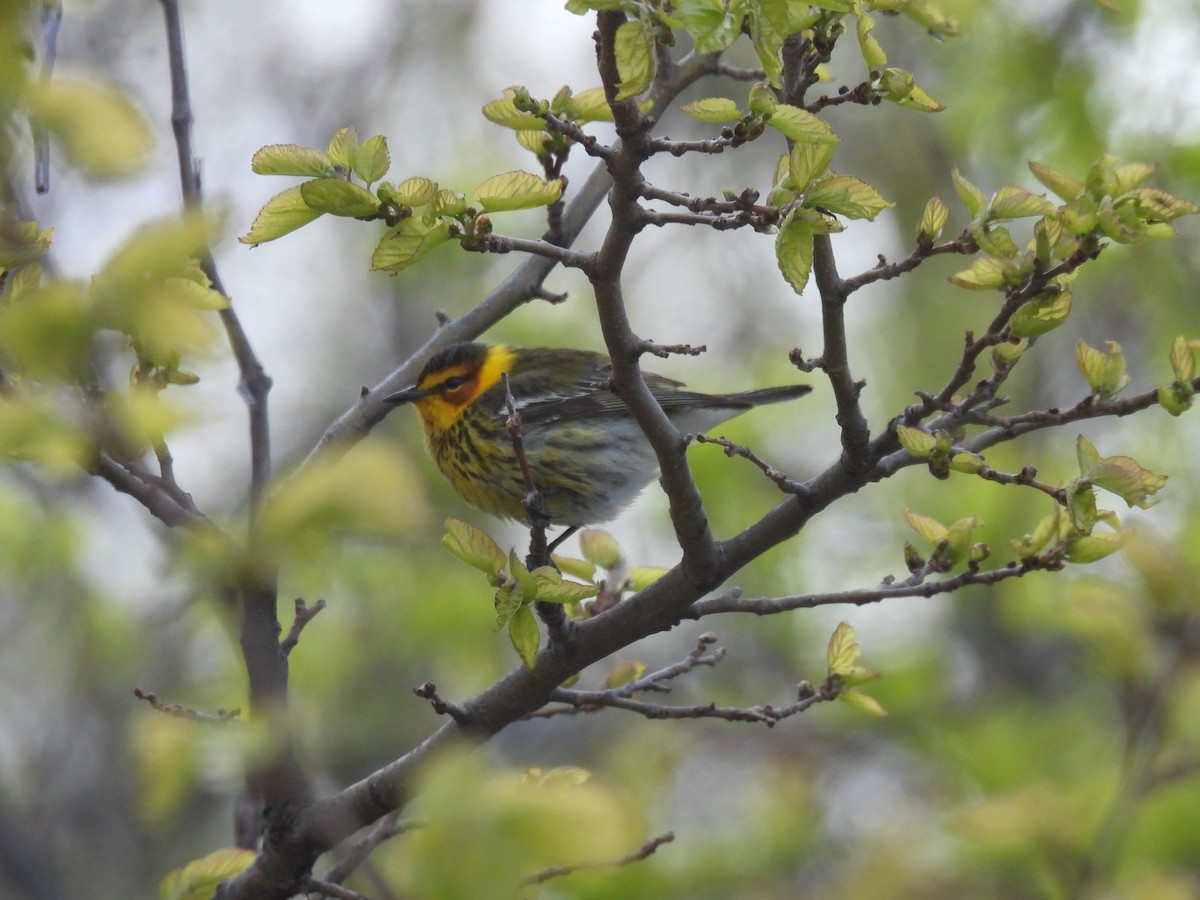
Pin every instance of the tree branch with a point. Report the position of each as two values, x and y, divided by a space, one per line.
255 384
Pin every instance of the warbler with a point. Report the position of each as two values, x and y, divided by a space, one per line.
586 454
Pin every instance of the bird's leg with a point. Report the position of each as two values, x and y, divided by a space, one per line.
557 624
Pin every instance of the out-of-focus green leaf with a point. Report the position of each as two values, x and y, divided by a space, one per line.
96 125
712 109
198 880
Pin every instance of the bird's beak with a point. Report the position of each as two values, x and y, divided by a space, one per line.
408 395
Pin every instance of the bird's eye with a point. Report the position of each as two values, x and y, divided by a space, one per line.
454 382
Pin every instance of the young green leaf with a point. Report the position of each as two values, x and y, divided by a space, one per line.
1089 548
985 274
933 219
524 635
415 191
806 162
339 197
641 577
407 242
1183 359
1105 372
504 112
863 702
842 652
623 673
291 159
927 527
474 547
794 250
601 548
634 51
342 147
371 159
872 52
550 587
589 106
1041 315
1063 185
845 195
576 568
915 441
1012 202
712 109
517 190
800 125
712 24
95 125
972 197
198 880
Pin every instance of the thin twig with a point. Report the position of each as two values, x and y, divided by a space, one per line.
51 20
428 690
255 384
780 479
641 853
218 717
304 615
731 602
389 826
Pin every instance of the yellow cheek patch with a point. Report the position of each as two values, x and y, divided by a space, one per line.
498 361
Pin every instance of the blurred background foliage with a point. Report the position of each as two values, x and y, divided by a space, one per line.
1042 741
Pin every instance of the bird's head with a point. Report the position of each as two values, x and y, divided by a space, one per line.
452 380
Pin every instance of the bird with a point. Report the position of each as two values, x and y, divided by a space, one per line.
587 455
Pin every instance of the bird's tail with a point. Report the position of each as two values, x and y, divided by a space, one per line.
770 395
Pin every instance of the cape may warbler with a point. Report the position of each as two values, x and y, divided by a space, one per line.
587 455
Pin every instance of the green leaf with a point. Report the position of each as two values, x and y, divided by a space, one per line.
474 547
967 463
848 196
623 673
794 250
504 112
994 240
927 527
972 197
1063 185
371 159
712 24
1129 175
1123 476
1105 372
1183 359
933 219
446 203
1090 548
806 162
1175 400
863 702
641 577
405 243
634 51
291 159
842 652
339 197
283 213
524 635
985 274
872 52
198 880
915 441
601 548
342 147
1041 315
1011 202
577 568
589 106
712 109
517 190
800 125
1154 205
930 16
550 587
95 125
901 88
415 191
